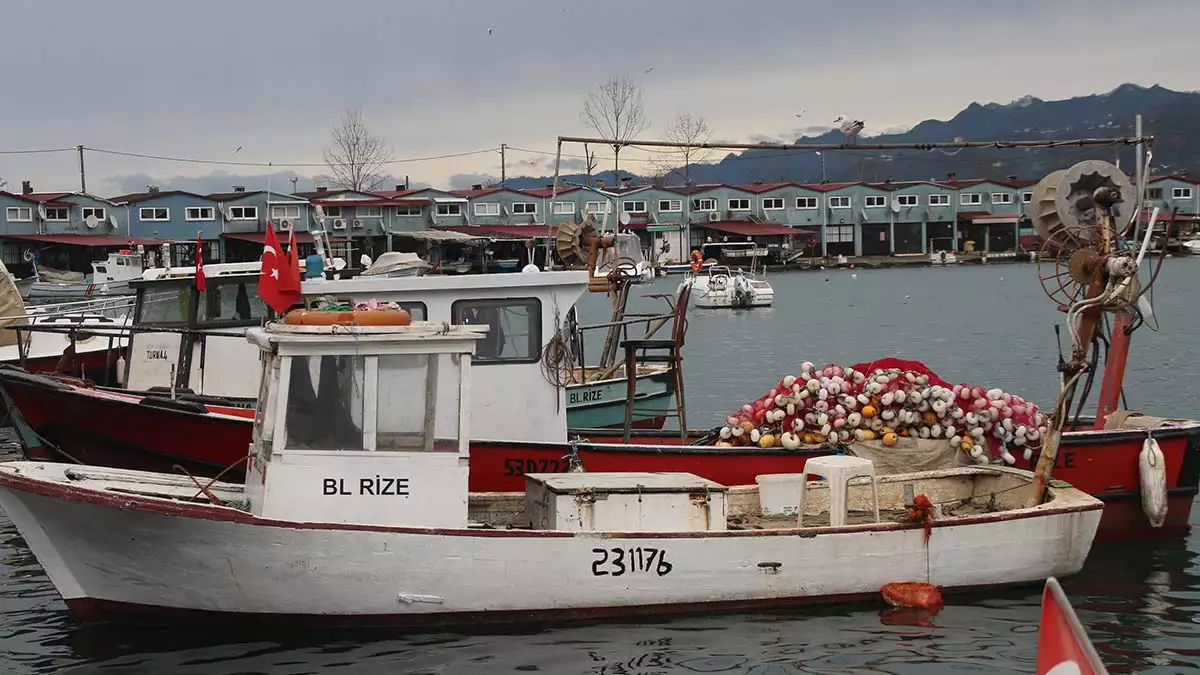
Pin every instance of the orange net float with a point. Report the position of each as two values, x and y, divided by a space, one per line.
912 594
309 317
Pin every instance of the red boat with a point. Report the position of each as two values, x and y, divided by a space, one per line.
61 420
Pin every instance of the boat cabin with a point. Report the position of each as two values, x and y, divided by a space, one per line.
124 265
363 424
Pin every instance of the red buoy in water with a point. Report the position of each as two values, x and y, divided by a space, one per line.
912 594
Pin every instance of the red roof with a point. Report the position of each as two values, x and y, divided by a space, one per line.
360 202
393 194
24 198
86 239
762 187
471 194
261 237
749 229
829 187
46 197
545 191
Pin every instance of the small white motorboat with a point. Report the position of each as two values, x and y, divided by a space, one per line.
718 287
109 277
356 507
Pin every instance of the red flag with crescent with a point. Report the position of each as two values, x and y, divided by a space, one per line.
1063 646
278 283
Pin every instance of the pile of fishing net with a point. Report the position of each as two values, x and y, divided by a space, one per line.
887 400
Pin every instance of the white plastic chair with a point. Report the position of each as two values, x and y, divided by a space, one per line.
838 470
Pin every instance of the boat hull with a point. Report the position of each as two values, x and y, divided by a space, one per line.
601 404
109 429
219 562
46 289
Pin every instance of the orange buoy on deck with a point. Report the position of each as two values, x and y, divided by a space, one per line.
912 594
386 317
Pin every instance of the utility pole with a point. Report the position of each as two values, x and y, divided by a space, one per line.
503 147
82 178
1137 175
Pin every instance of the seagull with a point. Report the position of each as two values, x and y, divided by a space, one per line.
801 113
649 69
238 148
489 31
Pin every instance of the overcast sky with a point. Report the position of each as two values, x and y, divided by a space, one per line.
198 79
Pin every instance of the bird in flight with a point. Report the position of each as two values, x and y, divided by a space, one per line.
649 69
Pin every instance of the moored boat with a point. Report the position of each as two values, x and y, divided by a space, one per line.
356 507
109 277
722 288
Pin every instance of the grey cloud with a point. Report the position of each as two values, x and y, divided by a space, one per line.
221 181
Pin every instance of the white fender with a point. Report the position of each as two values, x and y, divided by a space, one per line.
1152 469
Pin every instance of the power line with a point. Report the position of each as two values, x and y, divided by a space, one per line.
284 165
35 152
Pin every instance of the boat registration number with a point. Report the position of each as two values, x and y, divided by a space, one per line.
619 561
585 396
516 466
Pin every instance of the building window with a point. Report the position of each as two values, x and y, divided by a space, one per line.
837 234
515 333
1026 197
19 214
243 213
970 199
839 202
204 213
739 204
1154 193
449 209
704 204
524 208
876 201
634 206
598 207
772 203
487 209
99 213
939 200
58 213
806 203
369 211
153 213
906 200
290 211
1001 198
333 211
408 211
670 205
563 208
1181 193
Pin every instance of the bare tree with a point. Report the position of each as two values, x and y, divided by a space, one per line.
590 163
616 111
691 131
357 157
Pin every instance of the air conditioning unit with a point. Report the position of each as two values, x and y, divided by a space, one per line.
285 225
339 223
714 216
357 224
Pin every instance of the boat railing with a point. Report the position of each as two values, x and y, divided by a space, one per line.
110 307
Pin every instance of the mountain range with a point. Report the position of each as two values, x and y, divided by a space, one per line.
1169 116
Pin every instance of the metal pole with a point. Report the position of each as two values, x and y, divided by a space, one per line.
553 194
82 175
1137 175
503 146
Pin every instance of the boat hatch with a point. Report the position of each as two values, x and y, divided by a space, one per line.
363 425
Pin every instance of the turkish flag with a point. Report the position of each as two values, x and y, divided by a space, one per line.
279 281
200 263
1063 646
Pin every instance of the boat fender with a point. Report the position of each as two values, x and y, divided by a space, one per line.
1152 469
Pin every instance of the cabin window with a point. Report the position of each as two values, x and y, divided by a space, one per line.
704 204
264 417
487 209
599 207
970 199
1154 193
739 204
409 386
524 208
906 200
806 203
1181 193
670 205
243 213
324 408
290 211
333 211
516 328
408 211
19 214
564 208
835 234
98 212
772 203
876 201
634 206
167 305
939 200
199 213
233 301
839 202
1001 198
449 209
58 213
153 213
1026 197
369 212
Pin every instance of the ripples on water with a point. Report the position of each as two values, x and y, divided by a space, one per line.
1140 604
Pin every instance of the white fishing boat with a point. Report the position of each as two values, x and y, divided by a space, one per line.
109 277
722 288
1192 246
356 507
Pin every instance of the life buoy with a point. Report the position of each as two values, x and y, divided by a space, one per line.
27 255
305 317
697 260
